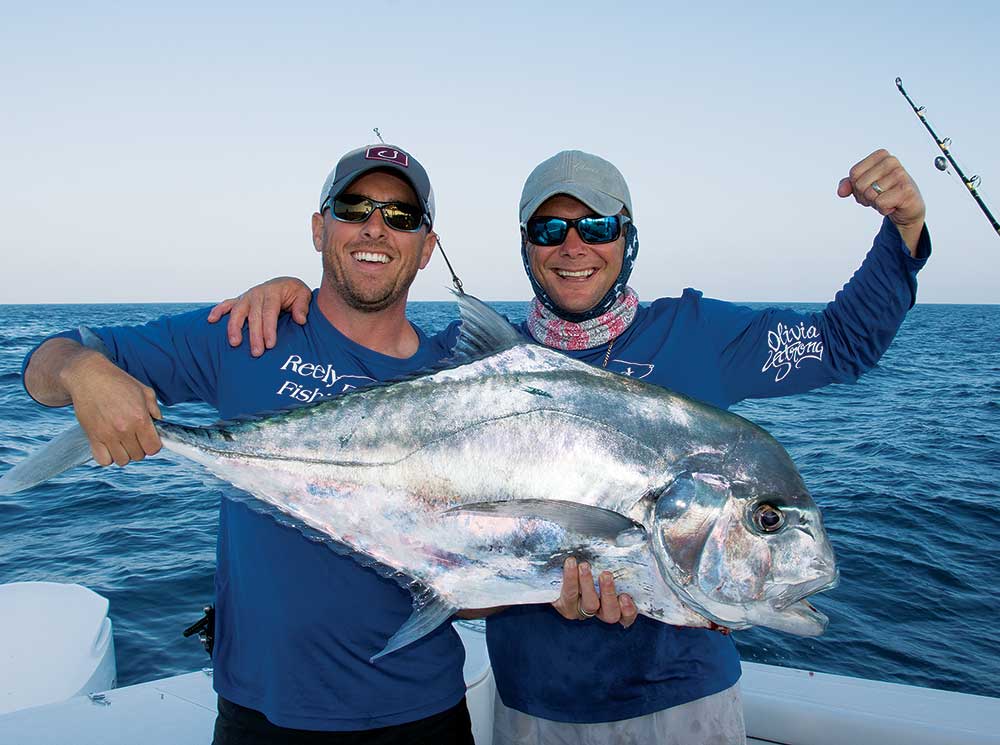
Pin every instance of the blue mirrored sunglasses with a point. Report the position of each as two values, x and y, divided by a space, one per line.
552 231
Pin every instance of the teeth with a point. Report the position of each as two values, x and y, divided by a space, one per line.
581 273
365 256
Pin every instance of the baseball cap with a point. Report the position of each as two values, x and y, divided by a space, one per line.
592 180
379 157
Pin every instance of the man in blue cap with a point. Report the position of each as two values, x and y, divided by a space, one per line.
562 677
296 623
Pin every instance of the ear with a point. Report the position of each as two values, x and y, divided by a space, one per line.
318 231
430 240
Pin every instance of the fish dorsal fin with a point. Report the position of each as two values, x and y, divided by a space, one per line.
483 331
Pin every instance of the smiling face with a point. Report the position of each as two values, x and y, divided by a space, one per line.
369 265
576 275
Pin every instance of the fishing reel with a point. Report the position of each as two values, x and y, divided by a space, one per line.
204 627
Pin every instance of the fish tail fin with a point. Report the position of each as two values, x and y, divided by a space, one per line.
428 614
69 449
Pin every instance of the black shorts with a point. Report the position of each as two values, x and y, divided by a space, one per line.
238 725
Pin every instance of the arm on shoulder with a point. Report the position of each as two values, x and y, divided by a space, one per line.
259 307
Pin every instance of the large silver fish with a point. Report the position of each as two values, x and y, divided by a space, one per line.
472 484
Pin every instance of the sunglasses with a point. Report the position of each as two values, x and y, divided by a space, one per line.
357 208
552 231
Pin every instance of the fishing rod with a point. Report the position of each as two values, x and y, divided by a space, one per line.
454 277
941 164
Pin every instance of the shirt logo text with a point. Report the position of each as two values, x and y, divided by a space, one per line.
325 375
788 346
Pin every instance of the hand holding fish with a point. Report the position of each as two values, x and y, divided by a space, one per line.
114 409
259 307
578 600
880 181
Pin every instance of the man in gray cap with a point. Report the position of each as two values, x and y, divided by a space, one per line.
295 622
562 677
671 685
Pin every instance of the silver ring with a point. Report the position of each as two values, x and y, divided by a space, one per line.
876 188
582 613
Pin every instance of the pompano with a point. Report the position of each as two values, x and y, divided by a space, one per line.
471 485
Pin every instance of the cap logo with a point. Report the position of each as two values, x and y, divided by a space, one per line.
388 154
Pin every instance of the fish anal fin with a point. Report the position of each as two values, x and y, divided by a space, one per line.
429 612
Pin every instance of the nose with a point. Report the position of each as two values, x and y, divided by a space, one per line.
573 245
374 227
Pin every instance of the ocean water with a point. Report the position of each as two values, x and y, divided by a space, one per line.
905 465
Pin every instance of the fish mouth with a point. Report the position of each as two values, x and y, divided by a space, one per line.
803 619
798 592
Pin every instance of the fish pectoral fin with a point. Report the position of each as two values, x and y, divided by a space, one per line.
631 537
429 612
574 517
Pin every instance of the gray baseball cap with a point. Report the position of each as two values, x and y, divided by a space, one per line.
379 157
592 180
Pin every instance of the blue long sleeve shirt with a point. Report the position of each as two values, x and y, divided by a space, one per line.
296 623
720 353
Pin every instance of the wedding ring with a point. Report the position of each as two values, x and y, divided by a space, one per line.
876 188
582 613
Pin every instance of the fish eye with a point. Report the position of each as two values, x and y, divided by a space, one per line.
768 518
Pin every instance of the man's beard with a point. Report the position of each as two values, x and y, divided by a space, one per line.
370 299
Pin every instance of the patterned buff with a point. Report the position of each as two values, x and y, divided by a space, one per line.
552 331
608 301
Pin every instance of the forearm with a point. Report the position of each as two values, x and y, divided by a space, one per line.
50 369
779 351
861 322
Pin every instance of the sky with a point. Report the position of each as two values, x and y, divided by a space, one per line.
175 151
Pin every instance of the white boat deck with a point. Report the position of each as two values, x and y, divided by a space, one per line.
178 710
798 707
782 706
174 711
791 707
